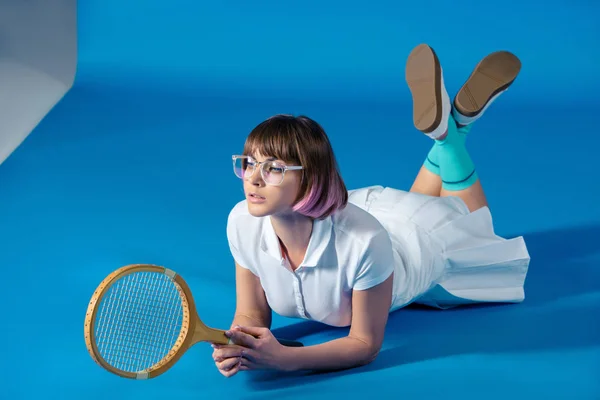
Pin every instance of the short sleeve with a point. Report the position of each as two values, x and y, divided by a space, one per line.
234 240
377 263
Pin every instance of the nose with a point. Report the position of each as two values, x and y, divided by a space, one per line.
256 178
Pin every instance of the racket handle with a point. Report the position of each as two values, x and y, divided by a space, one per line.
290 343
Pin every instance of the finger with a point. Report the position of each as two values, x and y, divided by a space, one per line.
228 363
253 330
223 346
251 355
247 364
242 339
227 352
231 372
226 346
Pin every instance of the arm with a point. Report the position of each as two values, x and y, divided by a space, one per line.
361 346
252 308
371 300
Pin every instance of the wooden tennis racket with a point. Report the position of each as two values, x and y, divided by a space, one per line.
142 318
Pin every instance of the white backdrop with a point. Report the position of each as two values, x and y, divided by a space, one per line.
38 61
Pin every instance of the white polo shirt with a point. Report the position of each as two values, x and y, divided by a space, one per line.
347 251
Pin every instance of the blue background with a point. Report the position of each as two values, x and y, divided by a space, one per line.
133 166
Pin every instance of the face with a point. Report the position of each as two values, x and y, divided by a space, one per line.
266 199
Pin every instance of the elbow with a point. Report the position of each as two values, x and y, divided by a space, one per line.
371 353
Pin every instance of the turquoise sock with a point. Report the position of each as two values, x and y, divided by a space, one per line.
455 165
432 162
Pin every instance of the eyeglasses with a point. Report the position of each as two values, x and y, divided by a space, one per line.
272 172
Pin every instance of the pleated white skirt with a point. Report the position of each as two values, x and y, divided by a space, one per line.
445 256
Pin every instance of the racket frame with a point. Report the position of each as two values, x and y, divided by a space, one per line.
193 330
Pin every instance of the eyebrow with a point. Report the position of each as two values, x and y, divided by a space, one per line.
266 159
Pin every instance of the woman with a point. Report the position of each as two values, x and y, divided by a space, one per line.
306 247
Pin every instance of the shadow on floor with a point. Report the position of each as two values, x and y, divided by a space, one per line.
562 295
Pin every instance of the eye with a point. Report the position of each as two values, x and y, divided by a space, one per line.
275 168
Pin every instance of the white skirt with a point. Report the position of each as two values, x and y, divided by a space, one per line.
445 255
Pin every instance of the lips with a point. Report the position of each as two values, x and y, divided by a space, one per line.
256 196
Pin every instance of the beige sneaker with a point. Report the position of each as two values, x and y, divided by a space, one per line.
431 103
490 78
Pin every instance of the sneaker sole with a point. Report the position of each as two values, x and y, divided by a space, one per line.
423 77
494 74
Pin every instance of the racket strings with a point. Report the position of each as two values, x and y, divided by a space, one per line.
139 321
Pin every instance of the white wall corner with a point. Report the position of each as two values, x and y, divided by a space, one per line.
38 63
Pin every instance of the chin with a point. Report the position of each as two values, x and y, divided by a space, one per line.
259 210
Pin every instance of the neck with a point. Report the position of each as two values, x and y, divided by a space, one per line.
293 230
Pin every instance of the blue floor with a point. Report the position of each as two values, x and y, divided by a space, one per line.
137 171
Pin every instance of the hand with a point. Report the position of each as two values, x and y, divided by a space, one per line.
260 349
227 359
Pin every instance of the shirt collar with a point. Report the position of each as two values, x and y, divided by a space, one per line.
319 240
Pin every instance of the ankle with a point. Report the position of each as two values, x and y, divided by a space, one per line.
442 137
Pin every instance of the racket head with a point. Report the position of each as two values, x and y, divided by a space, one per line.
139 321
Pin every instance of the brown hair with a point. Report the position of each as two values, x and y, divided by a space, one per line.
302 141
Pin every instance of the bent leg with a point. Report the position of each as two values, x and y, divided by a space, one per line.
491 77
427 182
424 78
458 172
448 169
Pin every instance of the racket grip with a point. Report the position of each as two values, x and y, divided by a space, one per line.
290 343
